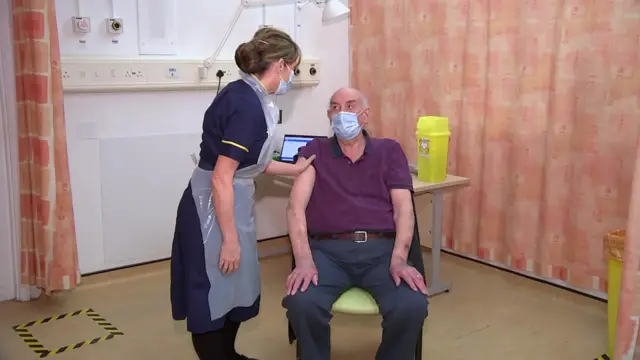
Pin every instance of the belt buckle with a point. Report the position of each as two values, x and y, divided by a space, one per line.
360 232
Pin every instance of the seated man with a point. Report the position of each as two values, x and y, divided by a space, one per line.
357 184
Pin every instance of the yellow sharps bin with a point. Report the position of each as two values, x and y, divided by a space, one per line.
614 248
433 148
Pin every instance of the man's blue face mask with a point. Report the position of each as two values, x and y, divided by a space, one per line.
345 125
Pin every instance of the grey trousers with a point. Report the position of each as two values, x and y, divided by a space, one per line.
343 264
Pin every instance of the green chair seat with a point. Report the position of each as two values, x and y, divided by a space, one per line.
356 301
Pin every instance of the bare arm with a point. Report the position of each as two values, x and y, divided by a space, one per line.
296 218
285 169
280 168
223 195
404 219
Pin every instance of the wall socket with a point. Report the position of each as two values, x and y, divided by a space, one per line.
115 26
81 24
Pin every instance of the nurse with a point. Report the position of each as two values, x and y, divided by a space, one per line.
215 278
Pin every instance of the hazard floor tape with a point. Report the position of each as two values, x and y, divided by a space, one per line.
35 345
603 357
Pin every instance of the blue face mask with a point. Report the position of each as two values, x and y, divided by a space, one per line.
285 86
345 125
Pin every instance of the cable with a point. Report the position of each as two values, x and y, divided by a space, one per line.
219 75
296 10
264 15
208 62
79 8
113 9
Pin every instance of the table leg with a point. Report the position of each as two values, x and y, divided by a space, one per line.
437 286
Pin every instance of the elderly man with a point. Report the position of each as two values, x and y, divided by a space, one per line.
351 224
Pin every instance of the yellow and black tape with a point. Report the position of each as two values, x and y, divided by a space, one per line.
112 330
35 345
603 357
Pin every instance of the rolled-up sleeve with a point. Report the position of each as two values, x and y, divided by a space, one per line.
397 174
239 130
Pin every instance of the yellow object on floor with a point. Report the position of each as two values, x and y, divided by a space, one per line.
433 148
614 248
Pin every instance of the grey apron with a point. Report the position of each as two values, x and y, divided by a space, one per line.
242 287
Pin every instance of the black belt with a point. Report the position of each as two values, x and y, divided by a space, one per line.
357 236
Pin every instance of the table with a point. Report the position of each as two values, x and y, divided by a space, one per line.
437 190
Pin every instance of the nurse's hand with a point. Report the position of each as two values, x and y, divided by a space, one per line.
302 164
229 256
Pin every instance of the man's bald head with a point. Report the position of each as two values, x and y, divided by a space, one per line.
349 100
351 94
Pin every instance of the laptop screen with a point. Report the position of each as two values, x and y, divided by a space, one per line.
292 143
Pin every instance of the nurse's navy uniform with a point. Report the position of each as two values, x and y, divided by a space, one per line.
240 124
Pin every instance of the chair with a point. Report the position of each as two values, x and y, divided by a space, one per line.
359 302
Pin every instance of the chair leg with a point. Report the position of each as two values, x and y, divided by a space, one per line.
419 347
297 350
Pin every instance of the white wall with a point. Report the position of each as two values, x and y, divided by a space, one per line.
8 154
129 152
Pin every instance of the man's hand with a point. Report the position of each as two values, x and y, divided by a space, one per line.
304 274
229 255
401 271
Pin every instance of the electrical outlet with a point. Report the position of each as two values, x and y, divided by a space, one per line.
115 26
227 71
134 73
172 72
81 24
65 74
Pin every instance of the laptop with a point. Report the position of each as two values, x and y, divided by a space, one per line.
291 144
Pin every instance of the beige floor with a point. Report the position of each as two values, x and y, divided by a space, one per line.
490 314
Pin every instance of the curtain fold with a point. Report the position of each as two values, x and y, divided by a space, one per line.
628 329
48 250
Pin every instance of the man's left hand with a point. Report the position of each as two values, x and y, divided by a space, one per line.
401 271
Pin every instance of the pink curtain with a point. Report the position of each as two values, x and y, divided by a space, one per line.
49 258
543 99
